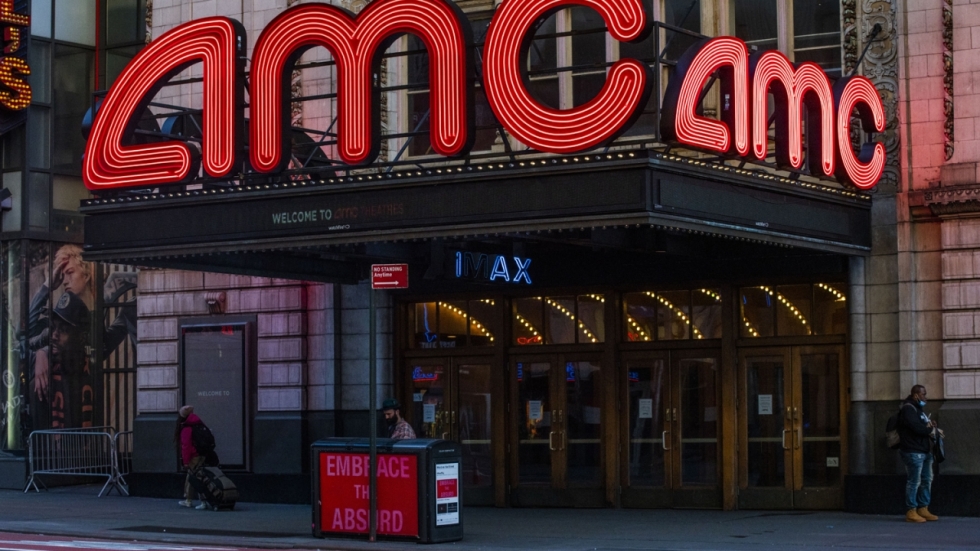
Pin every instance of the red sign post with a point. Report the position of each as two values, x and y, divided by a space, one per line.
389 276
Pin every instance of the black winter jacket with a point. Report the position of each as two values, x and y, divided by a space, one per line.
914 428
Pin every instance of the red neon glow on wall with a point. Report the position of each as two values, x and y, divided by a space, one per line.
356 44
862 170
792 88
598 121
680 121
214 41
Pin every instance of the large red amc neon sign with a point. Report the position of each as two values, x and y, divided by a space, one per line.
356 43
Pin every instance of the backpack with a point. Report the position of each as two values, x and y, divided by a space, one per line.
892 439
202 439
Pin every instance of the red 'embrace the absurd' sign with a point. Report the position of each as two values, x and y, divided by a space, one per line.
357 41
344 494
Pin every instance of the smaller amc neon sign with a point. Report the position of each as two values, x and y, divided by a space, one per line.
356 43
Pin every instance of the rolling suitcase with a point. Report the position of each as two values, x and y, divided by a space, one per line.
216 489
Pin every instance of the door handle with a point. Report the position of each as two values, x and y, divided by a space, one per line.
445 436
675 415
663 437
799 437
785 447
551 441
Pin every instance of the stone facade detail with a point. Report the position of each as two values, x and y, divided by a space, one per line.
948 124
881 66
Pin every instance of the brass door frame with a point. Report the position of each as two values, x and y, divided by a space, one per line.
673 493
793 494
558 493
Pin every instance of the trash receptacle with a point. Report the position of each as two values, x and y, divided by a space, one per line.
419 491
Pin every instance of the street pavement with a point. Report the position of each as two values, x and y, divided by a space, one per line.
78 512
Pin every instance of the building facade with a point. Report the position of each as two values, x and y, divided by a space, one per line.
637 325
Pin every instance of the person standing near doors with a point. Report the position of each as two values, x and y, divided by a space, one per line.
398 428
917 431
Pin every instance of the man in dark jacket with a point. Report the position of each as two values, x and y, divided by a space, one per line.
917 431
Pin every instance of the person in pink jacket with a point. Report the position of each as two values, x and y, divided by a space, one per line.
191 460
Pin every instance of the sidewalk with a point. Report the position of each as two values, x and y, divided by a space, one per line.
76 511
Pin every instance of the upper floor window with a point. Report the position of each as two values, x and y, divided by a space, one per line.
805 30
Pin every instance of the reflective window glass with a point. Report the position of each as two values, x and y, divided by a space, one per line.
40 62
793 310
13 148
674 315
39 137
116 60
74 74
591 318
816 26
755 23
41 18
542 63
528 321
484 327
74 21
756 312
39 207
685 14
122 21
641 317
453 320
706 313
829 309
422 321
560 318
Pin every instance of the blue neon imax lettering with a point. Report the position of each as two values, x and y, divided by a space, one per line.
495 268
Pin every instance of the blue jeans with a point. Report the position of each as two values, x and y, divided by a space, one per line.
918 490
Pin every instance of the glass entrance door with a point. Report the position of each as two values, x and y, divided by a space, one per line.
672 430
558 420
790 453
451 401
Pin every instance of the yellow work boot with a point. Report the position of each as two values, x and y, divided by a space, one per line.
924 513
913 516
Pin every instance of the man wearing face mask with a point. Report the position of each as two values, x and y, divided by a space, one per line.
398 428
917 432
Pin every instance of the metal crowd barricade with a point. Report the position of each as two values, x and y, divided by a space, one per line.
92 451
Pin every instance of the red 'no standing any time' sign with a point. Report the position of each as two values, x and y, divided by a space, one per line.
389 276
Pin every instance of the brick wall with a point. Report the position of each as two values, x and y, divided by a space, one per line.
295 331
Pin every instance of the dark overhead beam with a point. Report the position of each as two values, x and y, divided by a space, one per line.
265 264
